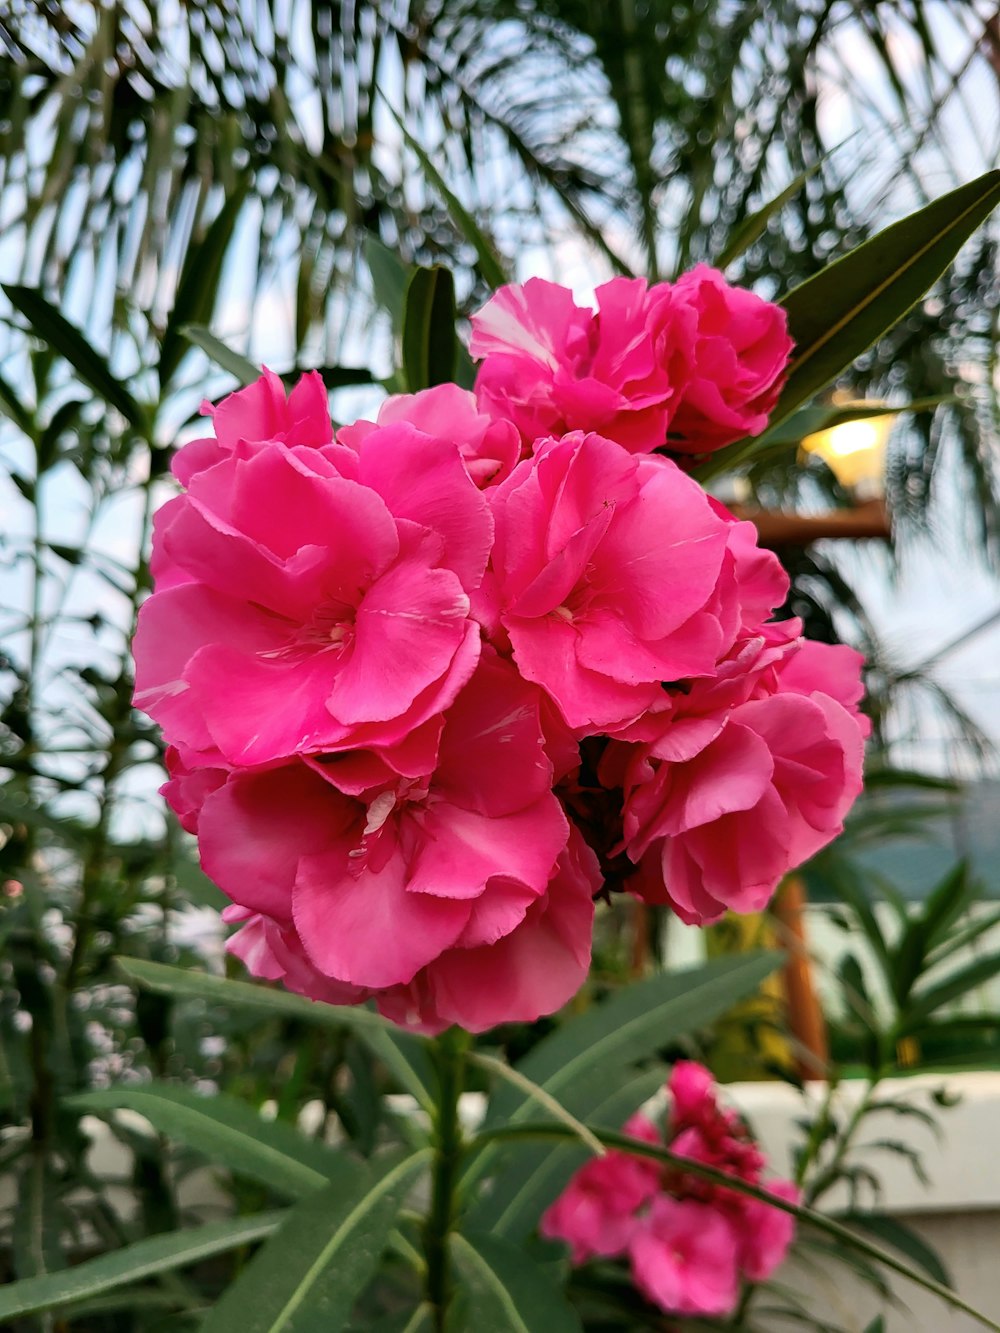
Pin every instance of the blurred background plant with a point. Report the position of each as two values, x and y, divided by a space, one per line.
266 171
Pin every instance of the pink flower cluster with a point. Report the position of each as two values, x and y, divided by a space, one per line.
427 682
689 1243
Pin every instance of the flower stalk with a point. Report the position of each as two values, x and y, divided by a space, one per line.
450 1050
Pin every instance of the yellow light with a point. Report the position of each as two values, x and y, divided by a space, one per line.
854 451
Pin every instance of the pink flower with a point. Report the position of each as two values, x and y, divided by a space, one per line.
766 1233
739 349
257 414
552 367
187 789
692 1093
719 809
489 447
597 1212
353 877
588 542
689 1240
690 366
313 611
684 1258
532 971
827 668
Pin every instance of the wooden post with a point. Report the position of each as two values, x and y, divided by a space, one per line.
805 1017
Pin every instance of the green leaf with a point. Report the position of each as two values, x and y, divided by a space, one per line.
526 1182
632 1025
334 377
308 1276
877 1325
12 407
198 284
904 1239
53 328
48 439
501 1290
36 1230
538 1095
390 279
429 329
754 226
244 370
157 1254
961 939
789 434
956 892
839 313
228 1132
955 986
489 264
404 1053
855 897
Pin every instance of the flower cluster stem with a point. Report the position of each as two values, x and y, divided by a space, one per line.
448 1147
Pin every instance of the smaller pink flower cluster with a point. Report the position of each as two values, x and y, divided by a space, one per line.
691 365
689 1243
428 681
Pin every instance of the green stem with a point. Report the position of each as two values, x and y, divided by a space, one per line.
449 1052
830 1174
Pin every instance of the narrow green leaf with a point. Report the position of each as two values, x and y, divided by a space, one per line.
836 315
11 406
53 328
198 284
961 939
307 1278
790 432
429 329
539 1096
502 1290
754 226
489 264
404 1053
35 1233
632 1025
420 1320
855 896
227 1131
334 377
48 439
946 902
157 1254
244 370
839 313
525 1182
957 985
390 279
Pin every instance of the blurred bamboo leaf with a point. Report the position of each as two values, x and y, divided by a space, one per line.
47 323
198 285
237 364
755 225
488 262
